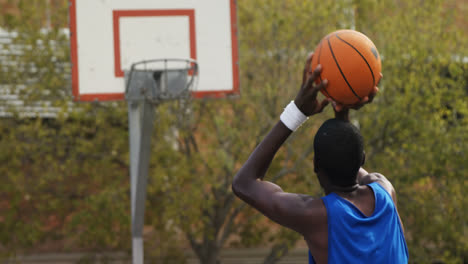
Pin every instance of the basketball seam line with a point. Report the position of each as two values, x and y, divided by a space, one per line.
342 74
362 56
320 76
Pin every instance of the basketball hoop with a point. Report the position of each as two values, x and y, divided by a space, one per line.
149 29
161 80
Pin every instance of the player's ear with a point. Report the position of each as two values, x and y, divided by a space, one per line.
363 158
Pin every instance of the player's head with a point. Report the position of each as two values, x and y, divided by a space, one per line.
339 152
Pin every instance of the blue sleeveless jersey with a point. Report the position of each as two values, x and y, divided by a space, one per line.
356 238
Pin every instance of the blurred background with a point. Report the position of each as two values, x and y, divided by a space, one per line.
64 166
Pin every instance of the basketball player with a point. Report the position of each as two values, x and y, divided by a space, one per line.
357 221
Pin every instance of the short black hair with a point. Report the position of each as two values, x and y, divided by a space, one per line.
339 151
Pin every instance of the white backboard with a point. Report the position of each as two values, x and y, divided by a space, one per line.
108 36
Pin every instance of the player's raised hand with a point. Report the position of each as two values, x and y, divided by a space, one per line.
306 99
366 100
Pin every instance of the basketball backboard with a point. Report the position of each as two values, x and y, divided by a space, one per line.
108 36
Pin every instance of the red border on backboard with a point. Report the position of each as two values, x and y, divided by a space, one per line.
120 96
117 14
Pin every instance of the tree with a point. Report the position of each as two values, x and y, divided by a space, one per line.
416 130
63 167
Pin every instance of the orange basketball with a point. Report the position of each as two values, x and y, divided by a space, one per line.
351 64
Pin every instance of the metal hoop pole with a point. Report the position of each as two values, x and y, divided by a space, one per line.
142 95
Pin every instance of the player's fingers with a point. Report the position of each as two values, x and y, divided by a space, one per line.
316 72
338 107
323 104
373 94
319 87
309 58
380 78
307 67
310 82
313 76
361 103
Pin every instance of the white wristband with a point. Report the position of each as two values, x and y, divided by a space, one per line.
292 117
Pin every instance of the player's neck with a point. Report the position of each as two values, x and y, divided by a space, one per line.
328 187
341 189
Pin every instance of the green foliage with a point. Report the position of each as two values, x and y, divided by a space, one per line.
417 129
63 178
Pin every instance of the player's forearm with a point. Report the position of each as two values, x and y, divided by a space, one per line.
343 114
259 161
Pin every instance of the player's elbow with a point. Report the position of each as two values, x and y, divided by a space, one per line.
242 189
239 185
235 188
236 185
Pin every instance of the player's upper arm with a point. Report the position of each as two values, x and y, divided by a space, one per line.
295 211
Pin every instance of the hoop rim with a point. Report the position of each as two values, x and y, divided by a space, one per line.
166 60
191 69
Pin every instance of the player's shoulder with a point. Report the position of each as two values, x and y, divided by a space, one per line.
300 212
373 177
381 180
299 205
311 205
315 212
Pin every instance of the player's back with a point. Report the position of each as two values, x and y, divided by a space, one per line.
354 237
